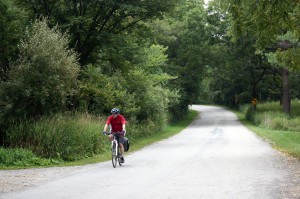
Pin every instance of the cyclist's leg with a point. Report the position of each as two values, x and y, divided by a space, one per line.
121 149
121 145
121 142
111 137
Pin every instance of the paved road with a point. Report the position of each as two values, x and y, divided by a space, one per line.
215 157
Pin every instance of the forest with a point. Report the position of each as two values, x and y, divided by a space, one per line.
65 64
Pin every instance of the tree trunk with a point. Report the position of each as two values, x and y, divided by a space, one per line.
286 98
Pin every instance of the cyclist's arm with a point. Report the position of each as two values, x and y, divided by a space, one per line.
107 123
105 128
123 121
124 127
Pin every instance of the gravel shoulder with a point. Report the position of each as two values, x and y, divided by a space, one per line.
18 180
292 189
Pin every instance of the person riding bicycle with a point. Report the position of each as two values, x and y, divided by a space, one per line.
117 124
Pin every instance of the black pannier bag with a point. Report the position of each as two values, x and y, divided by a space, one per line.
126 144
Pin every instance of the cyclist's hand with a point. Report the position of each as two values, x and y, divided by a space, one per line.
123 132
104 133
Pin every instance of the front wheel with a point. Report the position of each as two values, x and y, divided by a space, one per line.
114 157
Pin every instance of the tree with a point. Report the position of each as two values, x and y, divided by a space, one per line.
12 25
184 32
234 70
130 76
93 23
266 20
45 75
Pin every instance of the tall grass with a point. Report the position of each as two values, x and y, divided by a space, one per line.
69 137
269 122
66 137
271 116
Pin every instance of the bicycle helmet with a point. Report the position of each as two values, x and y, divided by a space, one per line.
115 110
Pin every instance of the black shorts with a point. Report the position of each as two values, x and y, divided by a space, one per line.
121 139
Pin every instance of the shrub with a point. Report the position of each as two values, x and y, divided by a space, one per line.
250 114
45 75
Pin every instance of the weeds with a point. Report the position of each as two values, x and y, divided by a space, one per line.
60 137
22 157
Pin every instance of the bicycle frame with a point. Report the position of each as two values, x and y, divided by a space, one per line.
115 151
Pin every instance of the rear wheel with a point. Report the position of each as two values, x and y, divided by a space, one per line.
114 157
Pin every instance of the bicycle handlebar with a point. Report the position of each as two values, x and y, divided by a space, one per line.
108 133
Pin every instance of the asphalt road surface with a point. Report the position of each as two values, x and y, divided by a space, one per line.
215 157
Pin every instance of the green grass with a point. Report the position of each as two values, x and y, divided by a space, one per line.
135 144
275 127
19 158
284 141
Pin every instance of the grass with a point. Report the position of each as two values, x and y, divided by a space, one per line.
138 143
280 130
22 157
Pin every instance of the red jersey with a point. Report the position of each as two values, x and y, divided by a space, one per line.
116 123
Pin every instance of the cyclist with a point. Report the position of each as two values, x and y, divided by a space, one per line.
117 122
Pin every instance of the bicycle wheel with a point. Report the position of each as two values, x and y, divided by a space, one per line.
114 156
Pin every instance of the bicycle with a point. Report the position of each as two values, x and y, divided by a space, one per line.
116 155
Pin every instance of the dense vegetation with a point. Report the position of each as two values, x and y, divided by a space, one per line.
65 64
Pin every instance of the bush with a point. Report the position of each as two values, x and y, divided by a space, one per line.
250 114
44 77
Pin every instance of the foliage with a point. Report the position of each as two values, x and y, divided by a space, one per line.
244 97
12 25
130 77
250 114
151 97
149 58
184 32
22 157
93 23
63 137
269 115
45 75
274 26
8 159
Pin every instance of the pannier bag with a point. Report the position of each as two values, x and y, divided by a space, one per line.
126 144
